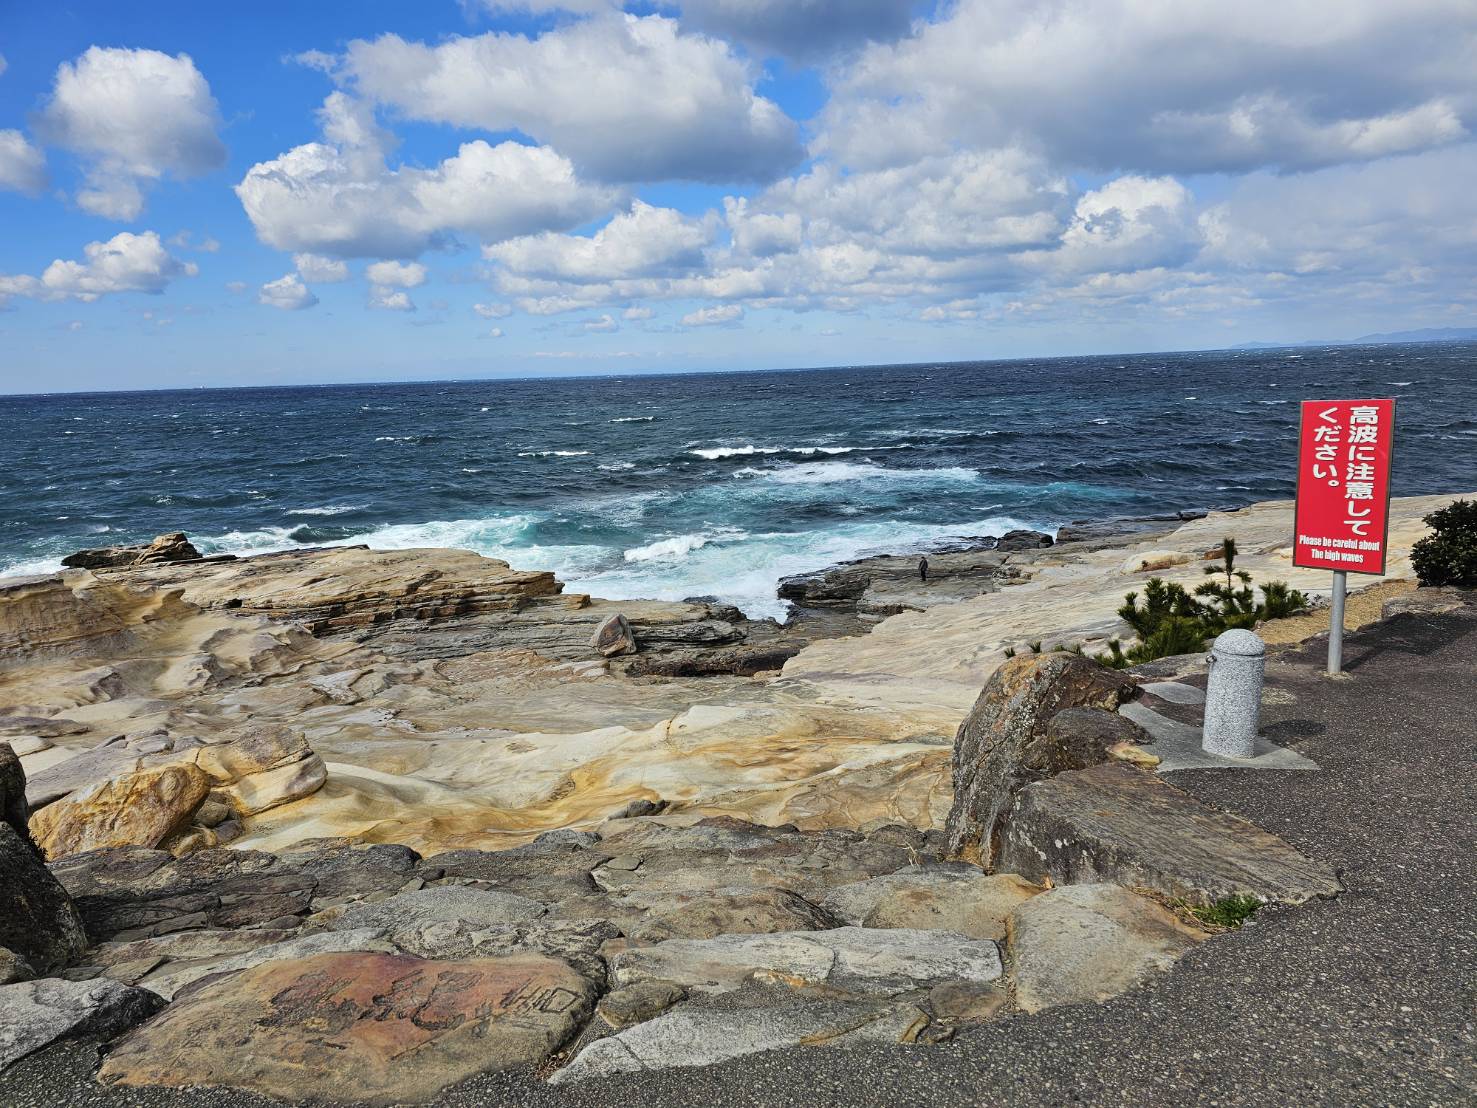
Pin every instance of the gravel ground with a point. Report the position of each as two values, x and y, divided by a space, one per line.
1370 999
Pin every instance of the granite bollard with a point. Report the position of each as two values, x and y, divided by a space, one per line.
1233 694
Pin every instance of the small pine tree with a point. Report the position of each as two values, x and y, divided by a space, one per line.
1448 555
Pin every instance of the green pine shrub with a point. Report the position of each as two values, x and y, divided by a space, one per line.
1448 555
1171 620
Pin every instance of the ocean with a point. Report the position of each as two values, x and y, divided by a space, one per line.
705 484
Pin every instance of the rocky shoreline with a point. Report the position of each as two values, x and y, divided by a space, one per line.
475 822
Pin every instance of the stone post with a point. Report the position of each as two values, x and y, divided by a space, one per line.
1233 694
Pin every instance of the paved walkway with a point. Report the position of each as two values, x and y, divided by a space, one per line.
1370 999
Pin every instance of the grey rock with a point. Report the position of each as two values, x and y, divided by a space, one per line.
35 1014
641 807
567 836
638 1003
15 810
14 968
1023 540
935 898
448 903
38 920
854 959
1113 823
694 1036
1006 742
748 912
1086 943
549 872
576 942
614 636
172 547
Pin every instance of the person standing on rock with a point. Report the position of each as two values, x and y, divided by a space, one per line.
923 569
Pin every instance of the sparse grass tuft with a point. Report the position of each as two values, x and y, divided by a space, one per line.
1229 913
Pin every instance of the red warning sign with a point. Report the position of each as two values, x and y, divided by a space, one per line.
1343 498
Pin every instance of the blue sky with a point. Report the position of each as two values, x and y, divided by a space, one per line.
197 194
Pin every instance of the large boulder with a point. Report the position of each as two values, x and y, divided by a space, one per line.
39 927
373 1028
1114 823
173 547
133 809
613 637
38 921
14 810
1086 943
859 960
35 1014
1006 741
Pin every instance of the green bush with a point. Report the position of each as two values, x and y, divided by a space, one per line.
1172 621
1448 555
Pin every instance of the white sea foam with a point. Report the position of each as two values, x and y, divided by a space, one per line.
678 546
713 453
634 419
829 473
617 467
552 453
329 510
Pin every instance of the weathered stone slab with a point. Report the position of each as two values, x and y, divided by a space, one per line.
1088 943
1005 742
34 1014
855 959
577 942
750 912
173 977
1113 823
941 898
693 1036
444 904
373 1028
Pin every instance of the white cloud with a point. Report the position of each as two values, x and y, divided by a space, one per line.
22 166
493 311
1131 223
627 98
402 275
287 293
604 325
1160 88
320 270
637 314
495 333
134 115
708 317
390 300
125 263
340 198
646 241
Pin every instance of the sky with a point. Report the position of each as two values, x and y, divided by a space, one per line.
203 194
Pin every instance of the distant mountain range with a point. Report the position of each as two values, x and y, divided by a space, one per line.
1425 334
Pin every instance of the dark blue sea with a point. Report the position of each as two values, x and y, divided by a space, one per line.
718 484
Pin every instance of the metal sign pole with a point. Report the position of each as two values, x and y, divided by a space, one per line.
1336 624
